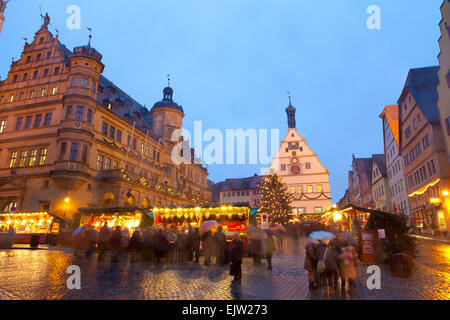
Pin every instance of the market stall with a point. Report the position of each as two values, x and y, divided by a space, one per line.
29 224
125 217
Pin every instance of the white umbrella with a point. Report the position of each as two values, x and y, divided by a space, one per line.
321 235
77 231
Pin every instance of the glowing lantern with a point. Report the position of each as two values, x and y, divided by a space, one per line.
192 215
167 216
179 215
217 215
230 214
186 215
207 215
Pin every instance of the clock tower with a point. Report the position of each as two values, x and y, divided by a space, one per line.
300 168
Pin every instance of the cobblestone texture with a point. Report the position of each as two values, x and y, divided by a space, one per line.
41 274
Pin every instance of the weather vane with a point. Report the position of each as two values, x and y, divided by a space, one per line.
90 36
289 95
168 80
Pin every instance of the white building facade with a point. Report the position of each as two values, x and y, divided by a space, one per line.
394 165
307 178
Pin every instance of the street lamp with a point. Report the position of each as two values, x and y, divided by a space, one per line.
445 193
66 203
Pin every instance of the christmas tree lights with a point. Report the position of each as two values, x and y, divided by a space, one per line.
275 199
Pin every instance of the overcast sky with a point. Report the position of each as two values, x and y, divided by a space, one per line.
232 62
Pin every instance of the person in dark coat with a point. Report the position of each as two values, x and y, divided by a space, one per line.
137 245
115 244
207 240
162 246
103 240
329 254
311 263
91 237
196 245
221 243
148 244
237 248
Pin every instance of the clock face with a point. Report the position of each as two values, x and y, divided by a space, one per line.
295 170
294 160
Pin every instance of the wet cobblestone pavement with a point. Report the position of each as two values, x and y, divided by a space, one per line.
41 274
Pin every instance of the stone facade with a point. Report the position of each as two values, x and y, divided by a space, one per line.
380 186
300 168
394 163
67 132
423 150
444 74
238 191
360 183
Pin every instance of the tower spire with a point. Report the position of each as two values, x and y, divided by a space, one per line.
290 112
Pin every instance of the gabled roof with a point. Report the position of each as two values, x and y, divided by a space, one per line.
380 161
423 83
392 116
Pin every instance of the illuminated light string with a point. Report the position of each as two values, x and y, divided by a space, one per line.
424 189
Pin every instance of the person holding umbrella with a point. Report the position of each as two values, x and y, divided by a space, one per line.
311 263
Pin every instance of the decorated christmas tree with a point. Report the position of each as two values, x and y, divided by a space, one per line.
275 199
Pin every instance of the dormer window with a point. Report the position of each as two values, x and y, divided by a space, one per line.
28 59
15 78
38 57
41 40
49 55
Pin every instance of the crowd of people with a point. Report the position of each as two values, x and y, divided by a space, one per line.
329 262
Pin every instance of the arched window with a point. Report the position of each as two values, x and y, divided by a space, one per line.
108 200
10 207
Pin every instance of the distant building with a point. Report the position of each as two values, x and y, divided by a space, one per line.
380 185
427 170
345 200
238 191
68 133
300 168
394 163
444 74
360 183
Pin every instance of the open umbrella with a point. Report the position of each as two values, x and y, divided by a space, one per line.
270 232
80 229
208 225
277 227
321 235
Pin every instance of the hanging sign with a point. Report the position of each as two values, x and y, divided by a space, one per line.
264 221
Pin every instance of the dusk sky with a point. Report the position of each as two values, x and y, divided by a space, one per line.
232 62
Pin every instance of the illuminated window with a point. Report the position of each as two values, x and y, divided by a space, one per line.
142 148
2 126
309 189
23 158
32 94
32 159
100 163
12 160
54 90
293 189
318 210
11 98
301 210
42 156
43 91
115 164
319 188
107 164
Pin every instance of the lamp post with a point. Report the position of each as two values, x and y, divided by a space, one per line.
66 203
